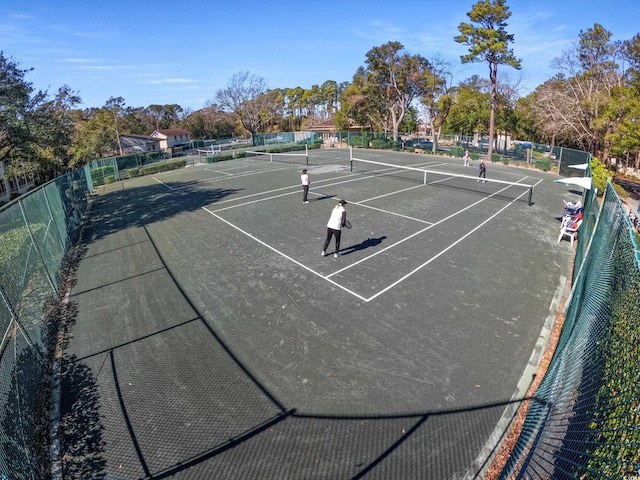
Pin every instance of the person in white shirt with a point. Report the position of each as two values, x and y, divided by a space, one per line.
305 185
334 227
466 158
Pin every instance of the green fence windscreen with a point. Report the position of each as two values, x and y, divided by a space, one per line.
584 421
36 231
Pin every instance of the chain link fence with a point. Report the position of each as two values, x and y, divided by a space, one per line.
584 418
36 232
583 421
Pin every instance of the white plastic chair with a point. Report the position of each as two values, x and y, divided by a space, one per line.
570 230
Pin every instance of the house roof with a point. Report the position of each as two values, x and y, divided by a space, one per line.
329 125
136 143
138 138
174 131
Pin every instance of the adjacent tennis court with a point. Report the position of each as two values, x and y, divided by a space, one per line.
206 292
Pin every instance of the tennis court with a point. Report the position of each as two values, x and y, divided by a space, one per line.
219 343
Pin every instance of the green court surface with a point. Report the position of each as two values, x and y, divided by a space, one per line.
210 339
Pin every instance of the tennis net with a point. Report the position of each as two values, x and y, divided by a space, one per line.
511 191
295 158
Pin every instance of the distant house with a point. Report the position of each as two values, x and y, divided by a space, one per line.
330 135
139 144
172 139
11 188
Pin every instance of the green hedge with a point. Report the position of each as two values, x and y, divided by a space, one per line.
457 152
15 247
600 174
156 168
543 164
103 175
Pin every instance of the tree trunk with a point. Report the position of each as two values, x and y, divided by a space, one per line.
493 75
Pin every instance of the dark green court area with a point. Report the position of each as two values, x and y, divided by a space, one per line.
210 339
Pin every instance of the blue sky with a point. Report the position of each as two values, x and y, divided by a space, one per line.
166 52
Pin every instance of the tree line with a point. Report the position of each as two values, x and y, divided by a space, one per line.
592 103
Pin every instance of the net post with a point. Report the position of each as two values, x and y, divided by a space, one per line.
424 182
530 196
306 154
271 157
351 157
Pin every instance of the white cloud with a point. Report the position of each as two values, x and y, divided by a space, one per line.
172 80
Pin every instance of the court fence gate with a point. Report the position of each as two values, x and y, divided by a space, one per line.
582 422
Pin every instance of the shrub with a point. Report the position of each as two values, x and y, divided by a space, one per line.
600 175
475 156
161 167
382 143
495 157
457 152
543 164
103 175
505 160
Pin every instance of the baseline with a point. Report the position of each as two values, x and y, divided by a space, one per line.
284 255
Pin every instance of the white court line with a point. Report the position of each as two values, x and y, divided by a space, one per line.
285 256
439 254
245 174
356 179
217 171
387 194
446 249
427 228
211 180
392 213
328 277
162 183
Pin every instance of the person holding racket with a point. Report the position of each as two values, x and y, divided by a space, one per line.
304 178
482 169
337 220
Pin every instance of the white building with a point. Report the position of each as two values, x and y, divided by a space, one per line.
171 138
139 144
12 187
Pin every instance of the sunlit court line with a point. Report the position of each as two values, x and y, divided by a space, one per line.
164 184
211 180
424 230
218 171
400 280
295 191
296 187
395 214
350 177
442 252
360 202
328 277
283 255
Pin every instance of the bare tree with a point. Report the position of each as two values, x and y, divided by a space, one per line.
571 106
436 97
244 96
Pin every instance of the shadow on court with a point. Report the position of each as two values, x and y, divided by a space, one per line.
159 394
119 208
368 243
153 388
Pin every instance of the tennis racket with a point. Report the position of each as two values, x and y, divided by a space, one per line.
347 224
